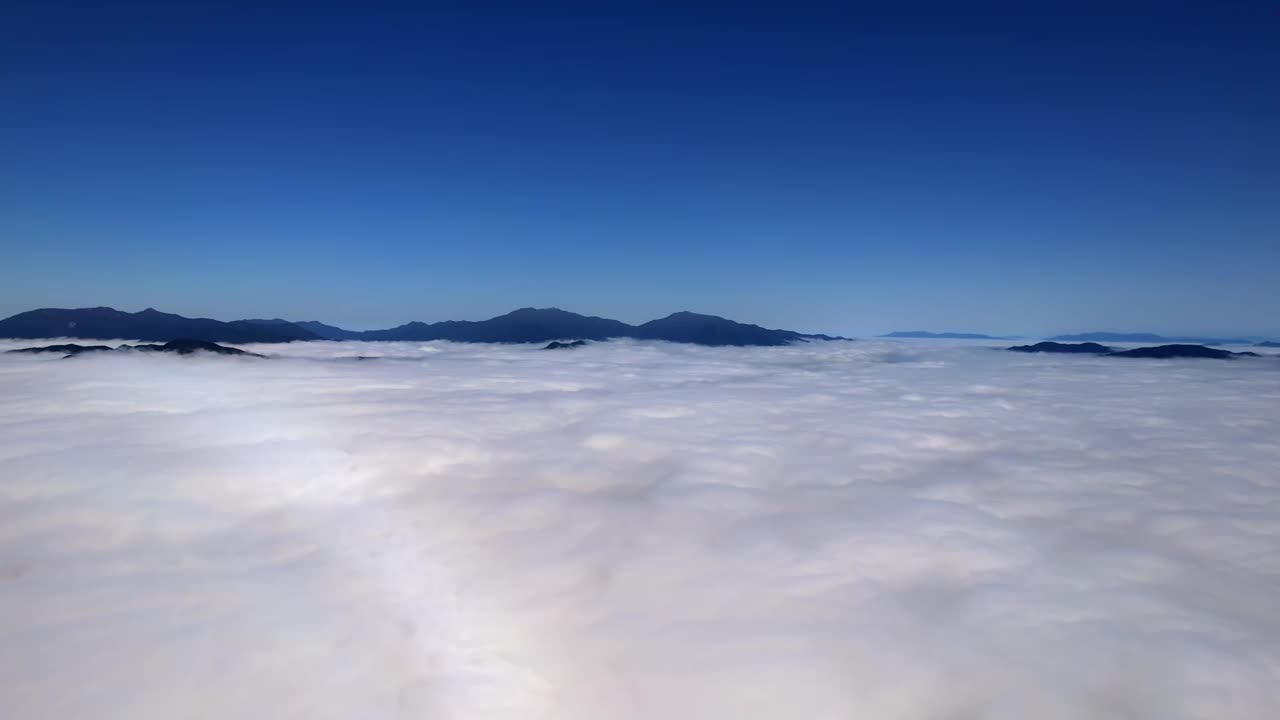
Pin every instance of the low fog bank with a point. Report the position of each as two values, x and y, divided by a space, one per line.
631 530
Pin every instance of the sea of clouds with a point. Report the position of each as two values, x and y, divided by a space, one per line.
914 531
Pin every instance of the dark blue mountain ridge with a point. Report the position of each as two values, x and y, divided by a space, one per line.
1065 348
328 332
540 325
104 323
181 346
690 327
1159 352
526 325
1166 352
1115 337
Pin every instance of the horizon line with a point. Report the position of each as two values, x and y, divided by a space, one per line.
1251 335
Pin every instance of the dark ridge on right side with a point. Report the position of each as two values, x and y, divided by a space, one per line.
1066 348
1169 352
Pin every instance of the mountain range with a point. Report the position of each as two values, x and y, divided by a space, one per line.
176 347
104 323
1106 337
526 325
1160 352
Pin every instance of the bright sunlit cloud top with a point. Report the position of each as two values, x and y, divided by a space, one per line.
635 530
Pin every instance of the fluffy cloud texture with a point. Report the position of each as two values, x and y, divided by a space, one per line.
639 531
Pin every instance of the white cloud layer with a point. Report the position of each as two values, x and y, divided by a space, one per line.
639 531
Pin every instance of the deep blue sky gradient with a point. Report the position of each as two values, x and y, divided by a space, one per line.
1014 168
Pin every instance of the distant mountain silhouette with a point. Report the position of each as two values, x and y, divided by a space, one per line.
1165 352
526 325
1162 352
104 323
1268 343
273 321
188 346
328 332
181 346
67 349
688 327
532 325
1054 347
556 345
1106 337
943 335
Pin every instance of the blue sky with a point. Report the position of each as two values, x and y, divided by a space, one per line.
1008 168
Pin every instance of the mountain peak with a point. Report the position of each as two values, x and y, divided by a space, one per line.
539 311
700 329
104 323
1123 337
523 325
